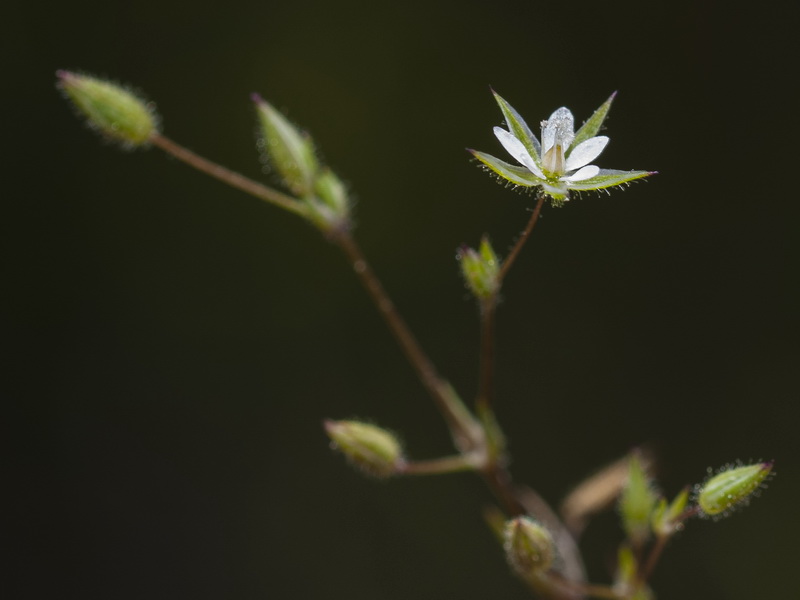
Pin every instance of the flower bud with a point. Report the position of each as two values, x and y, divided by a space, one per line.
666 516
480 269
110 109
637 502
288 150
373 450
730 487
529 546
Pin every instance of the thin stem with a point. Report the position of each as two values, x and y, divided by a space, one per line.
468 438
436 466
661 542
652 559
494 474
232 178
512 256
586 589
425 369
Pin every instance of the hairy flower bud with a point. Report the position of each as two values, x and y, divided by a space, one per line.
731 487
110 109
289 150
373 450
529 546
480 269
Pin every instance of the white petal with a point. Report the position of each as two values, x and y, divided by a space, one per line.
586 152
559 128
581 174
517 149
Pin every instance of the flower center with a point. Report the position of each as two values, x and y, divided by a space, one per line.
557 135
553 161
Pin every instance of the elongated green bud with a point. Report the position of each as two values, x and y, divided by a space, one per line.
289 150
110 109
529 546
375 451
480 269
637 502
731 487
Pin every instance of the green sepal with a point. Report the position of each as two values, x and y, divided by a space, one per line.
329 206
608 178
511 173
593 124
666 517
519 129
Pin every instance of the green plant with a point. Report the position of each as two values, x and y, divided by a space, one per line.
540 544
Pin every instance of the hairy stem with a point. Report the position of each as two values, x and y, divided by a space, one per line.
232 178
437 466
512 256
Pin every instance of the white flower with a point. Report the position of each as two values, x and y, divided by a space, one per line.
559 163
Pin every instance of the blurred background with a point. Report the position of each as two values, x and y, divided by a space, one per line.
172 345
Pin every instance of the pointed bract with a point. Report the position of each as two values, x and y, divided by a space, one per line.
519 128
593 125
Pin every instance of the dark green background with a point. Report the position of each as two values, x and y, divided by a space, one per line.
173 345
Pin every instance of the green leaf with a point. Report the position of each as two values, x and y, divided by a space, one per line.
511 173
593 125
608 178
519 129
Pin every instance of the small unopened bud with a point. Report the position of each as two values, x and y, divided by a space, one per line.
637 502
480 268
289 150
666 517
731 487
529 546
110 109
373 450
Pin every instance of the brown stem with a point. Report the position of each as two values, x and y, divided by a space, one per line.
661 542
495 475
512 256
232 178
469 438
433 383
436 466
